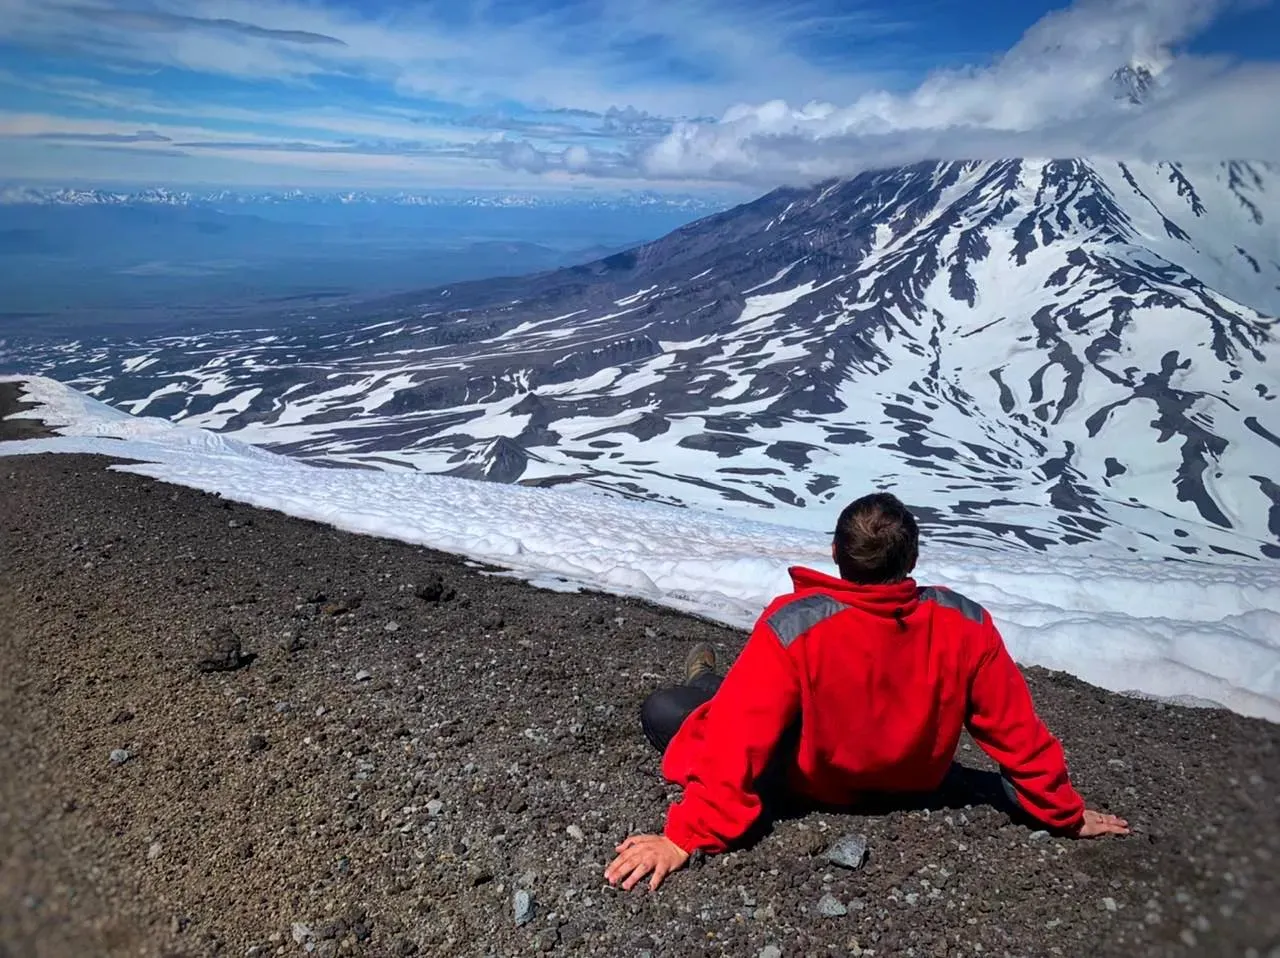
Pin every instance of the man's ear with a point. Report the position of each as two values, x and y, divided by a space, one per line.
833 552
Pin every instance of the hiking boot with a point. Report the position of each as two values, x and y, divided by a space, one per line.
700 661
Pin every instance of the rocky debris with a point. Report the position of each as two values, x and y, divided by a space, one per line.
221 652
522 906
848 852
343 605
119 756
831 907
291 642
435 589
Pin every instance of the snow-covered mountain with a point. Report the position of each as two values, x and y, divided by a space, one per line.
223 198
1033 353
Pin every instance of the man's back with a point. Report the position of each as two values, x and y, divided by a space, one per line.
849 685
880 680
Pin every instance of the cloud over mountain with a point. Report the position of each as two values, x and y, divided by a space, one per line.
1054 93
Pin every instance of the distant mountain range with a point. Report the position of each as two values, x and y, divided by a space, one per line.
1038 354
160 196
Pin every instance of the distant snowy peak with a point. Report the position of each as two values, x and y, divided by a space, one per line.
159 196
1136 81
1045 354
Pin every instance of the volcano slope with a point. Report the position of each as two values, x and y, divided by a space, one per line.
356 787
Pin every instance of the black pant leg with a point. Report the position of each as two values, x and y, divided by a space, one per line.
665 710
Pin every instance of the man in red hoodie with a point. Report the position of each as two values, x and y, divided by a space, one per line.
847 688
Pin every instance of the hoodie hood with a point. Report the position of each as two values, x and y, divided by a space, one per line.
894 601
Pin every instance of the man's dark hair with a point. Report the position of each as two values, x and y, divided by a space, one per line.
876 540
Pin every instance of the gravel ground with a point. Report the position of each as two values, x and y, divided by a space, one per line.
232 732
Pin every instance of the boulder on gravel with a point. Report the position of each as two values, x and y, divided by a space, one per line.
221 652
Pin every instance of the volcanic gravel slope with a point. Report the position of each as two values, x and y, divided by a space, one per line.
354 787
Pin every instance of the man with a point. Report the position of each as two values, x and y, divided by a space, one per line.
848 687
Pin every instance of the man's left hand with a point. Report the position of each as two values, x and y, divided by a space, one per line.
641 854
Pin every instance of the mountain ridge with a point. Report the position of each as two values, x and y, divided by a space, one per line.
163 196
1035 353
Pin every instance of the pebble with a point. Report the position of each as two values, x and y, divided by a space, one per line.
300 932
119 756
831 907
575 833
770 951
522 907
1109 904
1039 836
848 852
392 626
153 852
363 675
435 807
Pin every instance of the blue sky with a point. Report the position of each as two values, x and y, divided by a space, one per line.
679 94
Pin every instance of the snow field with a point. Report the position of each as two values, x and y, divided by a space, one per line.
1199 633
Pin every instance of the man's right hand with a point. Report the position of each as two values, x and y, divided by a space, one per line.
1096 824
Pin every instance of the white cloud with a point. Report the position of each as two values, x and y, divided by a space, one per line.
1052 94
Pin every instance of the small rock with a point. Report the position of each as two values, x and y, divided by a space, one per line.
1109 904
435 589
119 756
256 743
770 951
848 852
575 833
153 852
522 907
435 807
221 652
392 626
831 907
300 932
1039 836
363 675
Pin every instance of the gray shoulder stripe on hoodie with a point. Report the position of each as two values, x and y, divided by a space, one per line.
796 618
953 600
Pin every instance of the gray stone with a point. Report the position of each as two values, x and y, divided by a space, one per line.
575 833
119 756
392 626
435 807
221 652
522 906
770 951
1109 904
363 675
848 852
1040 836
831 907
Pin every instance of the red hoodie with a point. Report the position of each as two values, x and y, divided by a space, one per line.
882 679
